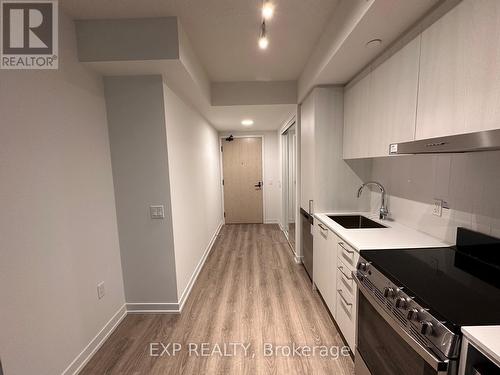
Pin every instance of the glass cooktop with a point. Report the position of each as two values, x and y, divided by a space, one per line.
460 285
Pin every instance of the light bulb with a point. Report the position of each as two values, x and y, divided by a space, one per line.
247 122
263 42
267 10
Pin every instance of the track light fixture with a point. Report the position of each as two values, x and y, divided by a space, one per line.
263 41
267 14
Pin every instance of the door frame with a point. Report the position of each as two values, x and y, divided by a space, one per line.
293 119
284 176
221 163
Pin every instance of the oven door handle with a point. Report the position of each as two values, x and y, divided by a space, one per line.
441 366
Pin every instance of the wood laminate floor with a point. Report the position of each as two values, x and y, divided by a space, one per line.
249 292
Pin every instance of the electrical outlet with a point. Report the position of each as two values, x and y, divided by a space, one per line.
437 209
100 290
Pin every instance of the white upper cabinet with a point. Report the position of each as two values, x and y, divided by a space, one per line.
444 82
393 99
459 84
380 108
357 119
326 180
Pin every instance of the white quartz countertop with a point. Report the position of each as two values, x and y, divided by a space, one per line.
395 236
486 339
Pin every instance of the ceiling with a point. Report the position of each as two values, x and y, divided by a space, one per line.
312 41
224 33
265 117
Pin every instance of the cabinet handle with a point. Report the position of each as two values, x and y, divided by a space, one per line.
343 298
322 226
341 244
343 273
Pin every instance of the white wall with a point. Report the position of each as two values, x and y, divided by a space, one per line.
195 190
469 183
271 173
136 118
58 224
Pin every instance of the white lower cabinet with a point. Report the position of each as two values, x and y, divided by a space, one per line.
346 303
325 264
333 264
347 254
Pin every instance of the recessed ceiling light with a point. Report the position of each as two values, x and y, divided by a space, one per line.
374 43
267 10
247 122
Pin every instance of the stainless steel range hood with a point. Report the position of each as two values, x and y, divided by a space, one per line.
471 142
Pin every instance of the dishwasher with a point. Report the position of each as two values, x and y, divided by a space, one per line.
306 222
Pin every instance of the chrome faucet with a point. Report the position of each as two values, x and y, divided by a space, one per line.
383 211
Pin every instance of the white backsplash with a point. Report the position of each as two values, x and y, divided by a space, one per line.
469 184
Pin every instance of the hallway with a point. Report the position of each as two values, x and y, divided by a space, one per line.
250 292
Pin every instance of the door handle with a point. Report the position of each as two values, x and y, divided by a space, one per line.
258 185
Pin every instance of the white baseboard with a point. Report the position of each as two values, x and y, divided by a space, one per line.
137 308
272 221
88 352
194 276
175 308
160 307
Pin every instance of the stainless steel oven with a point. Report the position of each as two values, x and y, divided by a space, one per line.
413 303
387 344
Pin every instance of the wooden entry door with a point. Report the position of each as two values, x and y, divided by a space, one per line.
242 174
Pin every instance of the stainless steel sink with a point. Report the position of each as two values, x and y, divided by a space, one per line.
355 222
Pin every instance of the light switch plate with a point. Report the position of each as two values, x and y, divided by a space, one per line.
437 209
157 212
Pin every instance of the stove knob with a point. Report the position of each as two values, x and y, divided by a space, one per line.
412 314
426 328
389 292
401 303
362 266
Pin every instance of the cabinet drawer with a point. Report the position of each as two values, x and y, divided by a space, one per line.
347 254
345 278
346 316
